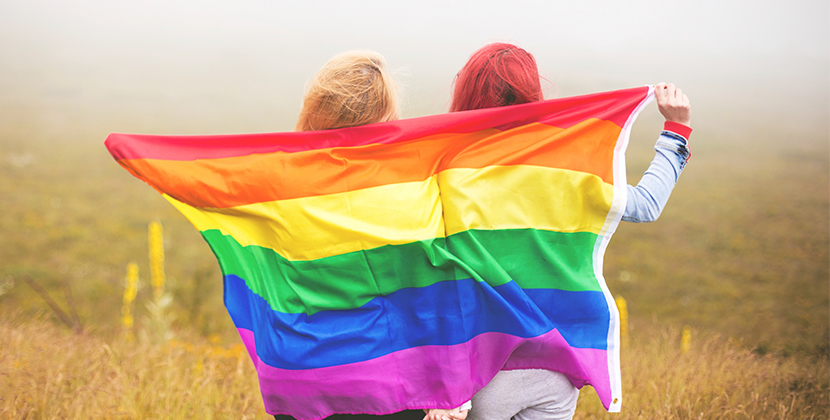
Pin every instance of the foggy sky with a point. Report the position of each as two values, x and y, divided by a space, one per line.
248 60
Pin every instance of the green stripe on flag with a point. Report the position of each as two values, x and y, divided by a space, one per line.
534 259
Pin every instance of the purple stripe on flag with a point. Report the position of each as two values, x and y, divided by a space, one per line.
398 381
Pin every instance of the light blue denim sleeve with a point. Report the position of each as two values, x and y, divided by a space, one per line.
647 200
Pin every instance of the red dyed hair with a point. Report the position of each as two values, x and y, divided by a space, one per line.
498 74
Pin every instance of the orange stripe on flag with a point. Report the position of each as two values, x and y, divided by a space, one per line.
226 182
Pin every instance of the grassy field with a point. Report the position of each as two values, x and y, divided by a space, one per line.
50 373
740 255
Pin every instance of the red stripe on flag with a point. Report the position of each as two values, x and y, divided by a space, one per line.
563 113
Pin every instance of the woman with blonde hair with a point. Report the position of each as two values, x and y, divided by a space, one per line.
351 89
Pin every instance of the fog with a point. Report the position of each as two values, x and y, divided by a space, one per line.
83 69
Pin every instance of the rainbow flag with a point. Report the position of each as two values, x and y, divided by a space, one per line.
401 265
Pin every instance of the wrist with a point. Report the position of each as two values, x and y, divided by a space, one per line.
675 127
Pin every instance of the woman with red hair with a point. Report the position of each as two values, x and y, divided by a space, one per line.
501 75
496 75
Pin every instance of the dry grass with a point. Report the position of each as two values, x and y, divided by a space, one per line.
50 373
47 372
716 379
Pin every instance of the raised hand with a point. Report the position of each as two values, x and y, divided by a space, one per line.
673 104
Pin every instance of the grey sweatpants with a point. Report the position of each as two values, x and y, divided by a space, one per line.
525 394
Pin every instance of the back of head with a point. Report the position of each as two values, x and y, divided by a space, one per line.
496 75
351 89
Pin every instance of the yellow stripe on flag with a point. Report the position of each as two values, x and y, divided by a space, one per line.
499 197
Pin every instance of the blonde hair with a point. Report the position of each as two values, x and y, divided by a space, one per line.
351 89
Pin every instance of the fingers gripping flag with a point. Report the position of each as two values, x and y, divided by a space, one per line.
401 265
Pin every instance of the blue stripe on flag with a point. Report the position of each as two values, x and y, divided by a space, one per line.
445 313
